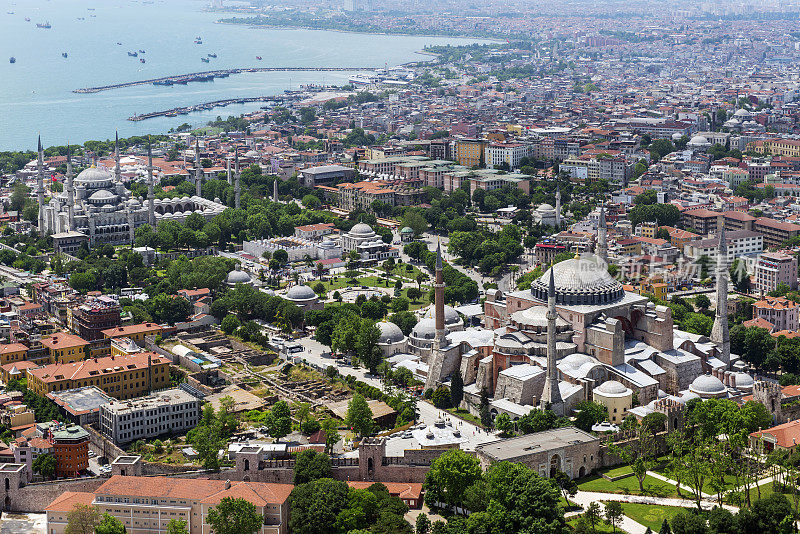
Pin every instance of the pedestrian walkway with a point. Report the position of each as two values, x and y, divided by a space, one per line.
674 483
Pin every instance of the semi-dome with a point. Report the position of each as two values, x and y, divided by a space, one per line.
451 316
612 388
425 329
580 281
574 361
390 333
362 229
102 195
300 292
93 175
707 386
238 277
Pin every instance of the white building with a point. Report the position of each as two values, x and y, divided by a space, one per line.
369 245
167 412
297 248
740 243
509 153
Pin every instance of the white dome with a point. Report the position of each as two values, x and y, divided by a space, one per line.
699 140
451 316
574 361
743 380
362 229
300 292
676 136
545 208
425 329
93 175
327 243
612 388
742 113
102 195
390 332
238 277
705 385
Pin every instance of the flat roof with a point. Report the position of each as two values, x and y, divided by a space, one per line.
557 438
80 400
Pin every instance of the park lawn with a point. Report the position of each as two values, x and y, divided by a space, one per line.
465 415
650 515
628 485
730 481
602 528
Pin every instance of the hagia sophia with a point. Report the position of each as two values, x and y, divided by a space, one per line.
575 335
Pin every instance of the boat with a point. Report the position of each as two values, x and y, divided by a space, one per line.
81 18
162 82
198 42
212 54
12 59
45 25
63 54
141 51
258 58
141 60
133 54
205 59
27 19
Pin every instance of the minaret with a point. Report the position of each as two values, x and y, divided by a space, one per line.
438 291
551 394
151 209
117 169
230 177
198 171
275 190
558 207
602 246
237 191
70 193
40 187
719 332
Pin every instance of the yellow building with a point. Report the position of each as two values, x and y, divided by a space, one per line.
776 147
136 332
13 352
617 398
659 290
65 348
469 152
122 377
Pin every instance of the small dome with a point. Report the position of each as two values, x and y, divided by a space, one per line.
102 195
252 154
743 380
362 229
707 385
390 333
300 292
699 140
238 277
406 230
425 329
612 388
327 243
451 316
676 136
544 208
742 113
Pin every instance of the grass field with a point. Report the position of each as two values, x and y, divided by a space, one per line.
650 515
628 486
602 528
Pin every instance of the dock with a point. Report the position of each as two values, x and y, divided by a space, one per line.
174 112
210 75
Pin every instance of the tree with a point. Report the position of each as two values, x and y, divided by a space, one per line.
702 302
45 465
589 414
456 389
449 477
314 506
311 465
109 525
637 453
177 526
414 220
367 345
234 516
568 486
82 519
593 515
230 323
279 420
503 423
614 514
686 522
359 415
423 524
665 528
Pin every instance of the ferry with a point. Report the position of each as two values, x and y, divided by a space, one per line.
258 58
119 44
205 60
141 51
63 54
45 25
359 80
12 59
27 19
212 54
133 54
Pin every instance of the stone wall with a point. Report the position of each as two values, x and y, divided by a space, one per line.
102 446
36 497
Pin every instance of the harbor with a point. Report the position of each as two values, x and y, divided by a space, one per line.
183 79
174 112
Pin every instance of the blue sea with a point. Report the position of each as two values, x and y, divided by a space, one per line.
36 91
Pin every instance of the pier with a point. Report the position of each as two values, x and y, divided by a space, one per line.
210 75
174 112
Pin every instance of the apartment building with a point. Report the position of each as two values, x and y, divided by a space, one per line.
737 220
173 411
510 154
774 268
91 318
122 377
740 243
469 152
586 168
146 505
777 147
70 448
775 232
701 220
780 312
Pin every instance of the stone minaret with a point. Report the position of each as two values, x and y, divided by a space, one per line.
151 197
551 394
40 187
117 169
438 291
70 193
558 207
230 177
198 170
275 190
237 191
719 332
602 245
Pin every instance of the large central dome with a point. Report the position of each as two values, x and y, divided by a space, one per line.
94 176
580 281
